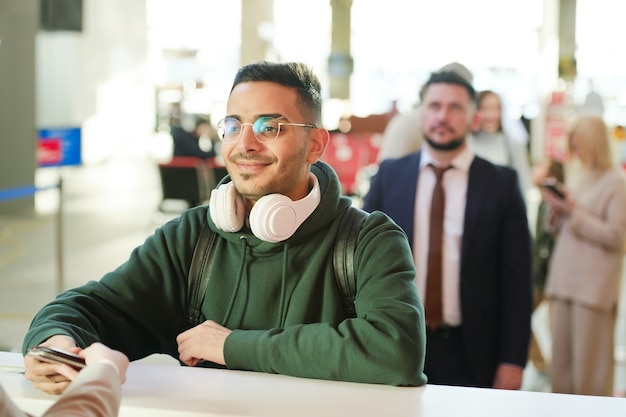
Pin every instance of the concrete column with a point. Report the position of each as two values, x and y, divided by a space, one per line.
557 71
340 63
548 73
19 23
567 40
257 31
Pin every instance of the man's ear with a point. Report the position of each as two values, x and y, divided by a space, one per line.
475 123
320 138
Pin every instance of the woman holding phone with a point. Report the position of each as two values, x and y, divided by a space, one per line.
94 389
586 264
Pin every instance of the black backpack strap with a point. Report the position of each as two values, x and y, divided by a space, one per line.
199 274
343 255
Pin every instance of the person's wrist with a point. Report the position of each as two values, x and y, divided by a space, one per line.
112 364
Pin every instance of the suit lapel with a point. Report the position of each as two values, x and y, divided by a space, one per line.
409 195
477 193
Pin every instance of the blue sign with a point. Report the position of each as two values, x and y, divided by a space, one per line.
59 147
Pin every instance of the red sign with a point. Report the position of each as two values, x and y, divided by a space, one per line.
348 154
50 151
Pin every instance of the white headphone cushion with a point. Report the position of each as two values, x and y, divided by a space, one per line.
276 217
273 218
227 208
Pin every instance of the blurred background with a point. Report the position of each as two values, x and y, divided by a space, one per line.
119 69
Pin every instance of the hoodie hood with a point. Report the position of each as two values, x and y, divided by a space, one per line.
332 203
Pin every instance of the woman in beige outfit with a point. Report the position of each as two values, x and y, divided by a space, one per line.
586 266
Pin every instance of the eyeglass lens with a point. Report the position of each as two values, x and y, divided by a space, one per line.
264 128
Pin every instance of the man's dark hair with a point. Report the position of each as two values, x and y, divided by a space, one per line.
448 77
291 74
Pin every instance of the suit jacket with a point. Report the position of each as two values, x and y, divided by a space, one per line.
496 260
96 392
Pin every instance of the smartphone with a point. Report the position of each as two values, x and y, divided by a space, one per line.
554 187
53 355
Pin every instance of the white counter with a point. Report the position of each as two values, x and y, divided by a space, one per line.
168 390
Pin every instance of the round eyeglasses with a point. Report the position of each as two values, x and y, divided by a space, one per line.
266 129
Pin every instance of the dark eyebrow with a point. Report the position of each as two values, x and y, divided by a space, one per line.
257 116
273 116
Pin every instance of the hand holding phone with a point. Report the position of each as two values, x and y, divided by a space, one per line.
554 187
54 355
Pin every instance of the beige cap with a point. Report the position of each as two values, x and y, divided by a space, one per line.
460 69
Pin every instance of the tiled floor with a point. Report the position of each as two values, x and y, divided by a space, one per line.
108 209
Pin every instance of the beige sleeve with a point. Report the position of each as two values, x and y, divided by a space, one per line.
96 392
8 408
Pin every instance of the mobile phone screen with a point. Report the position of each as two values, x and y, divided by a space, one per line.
53 355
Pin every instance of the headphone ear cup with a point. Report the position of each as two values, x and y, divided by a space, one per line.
274 218
227 208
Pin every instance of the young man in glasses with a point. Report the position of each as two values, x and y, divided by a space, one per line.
272 303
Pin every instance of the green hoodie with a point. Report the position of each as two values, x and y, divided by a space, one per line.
280 299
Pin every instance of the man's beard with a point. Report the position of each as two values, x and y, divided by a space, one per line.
450 146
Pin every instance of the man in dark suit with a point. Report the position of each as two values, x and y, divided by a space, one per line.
485 244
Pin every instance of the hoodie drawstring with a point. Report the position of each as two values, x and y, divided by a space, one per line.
282 312
280 320
231 303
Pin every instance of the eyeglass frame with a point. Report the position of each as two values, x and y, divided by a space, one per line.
221 122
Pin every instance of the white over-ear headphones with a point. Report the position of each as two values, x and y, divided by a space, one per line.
273 217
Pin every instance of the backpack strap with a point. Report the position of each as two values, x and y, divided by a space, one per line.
199 273
343 264
343 256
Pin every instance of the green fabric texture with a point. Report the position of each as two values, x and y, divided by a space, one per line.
280 299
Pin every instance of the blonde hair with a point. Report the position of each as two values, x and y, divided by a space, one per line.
592 141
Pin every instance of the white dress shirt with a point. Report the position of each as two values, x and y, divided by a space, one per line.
455 189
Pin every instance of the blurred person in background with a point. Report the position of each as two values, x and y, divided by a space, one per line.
191 143
594 103
500 139
542 249
586 265
403 135
479 259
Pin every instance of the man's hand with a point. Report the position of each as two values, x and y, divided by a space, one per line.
203 342
44 375
508 377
